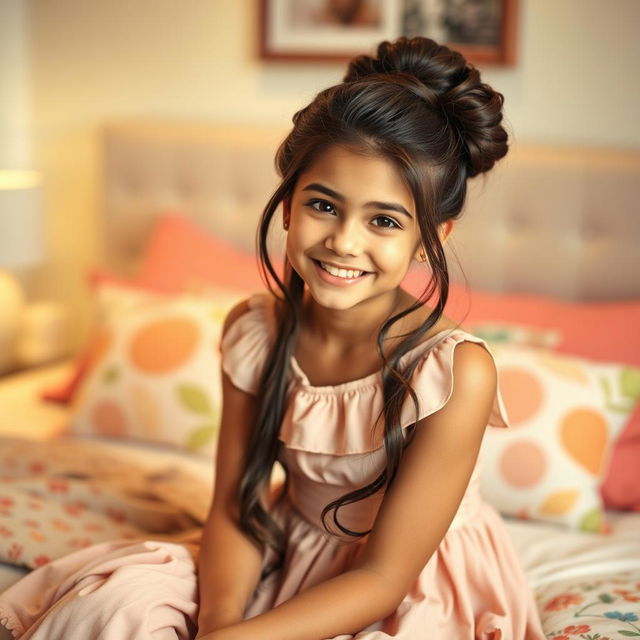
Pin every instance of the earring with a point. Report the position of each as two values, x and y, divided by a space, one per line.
286 226
423 257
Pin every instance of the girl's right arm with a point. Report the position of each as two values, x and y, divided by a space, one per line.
230 563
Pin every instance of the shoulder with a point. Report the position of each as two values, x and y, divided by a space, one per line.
474 367
237 311
259 310
247 335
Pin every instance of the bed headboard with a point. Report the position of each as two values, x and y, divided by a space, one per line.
553 220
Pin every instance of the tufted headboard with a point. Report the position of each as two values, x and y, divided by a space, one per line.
552 220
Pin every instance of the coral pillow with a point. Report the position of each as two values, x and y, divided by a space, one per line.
181 256
156 376
566 412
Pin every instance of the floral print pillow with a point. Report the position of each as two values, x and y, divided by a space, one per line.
596 609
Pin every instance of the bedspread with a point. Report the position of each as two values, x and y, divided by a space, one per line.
65 494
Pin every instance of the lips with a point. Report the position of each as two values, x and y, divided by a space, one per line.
340 270
348 278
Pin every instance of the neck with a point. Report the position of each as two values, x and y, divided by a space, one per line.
349 328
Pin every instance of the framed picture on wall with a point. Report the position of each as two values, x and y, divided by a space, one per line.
484 31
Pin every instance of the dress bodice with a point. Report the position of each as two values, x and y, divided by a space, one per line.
328 442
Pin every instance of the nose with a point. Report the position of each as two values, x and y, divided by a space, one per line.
345 238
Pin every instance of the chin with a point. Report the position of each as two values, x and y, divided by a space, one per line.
337 300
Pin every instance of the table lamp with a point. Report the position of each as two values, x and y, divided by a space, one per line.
21 246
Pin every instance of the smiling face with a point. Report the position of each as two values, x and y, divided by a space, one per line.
353 230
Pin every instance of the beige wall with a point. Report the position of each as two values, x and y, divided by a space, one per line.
92 61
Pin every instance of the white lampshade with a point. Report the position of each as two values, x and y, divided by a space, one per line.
21 246
21 241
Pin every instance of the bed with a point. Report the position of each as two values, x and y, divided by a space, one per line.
119 441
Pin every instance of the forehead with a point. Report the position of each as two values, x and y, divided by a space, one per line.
358 177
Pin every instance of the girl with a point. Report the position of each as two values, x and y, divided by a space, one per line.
374 404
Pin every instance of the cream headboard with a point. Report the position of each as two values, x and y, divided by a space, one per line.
553 220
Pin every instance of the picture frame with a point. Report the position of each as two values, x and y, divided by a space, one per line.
484 31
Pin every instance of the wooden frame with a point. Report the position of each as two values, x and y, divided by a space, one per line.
304 31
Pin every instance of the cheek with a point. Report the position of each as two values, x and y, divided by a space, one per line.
395 255
303 234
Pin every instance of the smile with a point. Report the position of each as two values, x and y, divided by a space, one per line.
341 273
337 275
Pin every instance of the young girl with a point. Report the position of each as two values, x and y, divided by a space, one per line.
374 404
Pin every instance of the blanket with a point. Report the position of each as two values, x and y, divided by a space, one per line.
66 494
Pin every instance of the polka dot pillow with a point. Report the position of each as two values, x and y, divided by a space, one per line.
565 413
155 371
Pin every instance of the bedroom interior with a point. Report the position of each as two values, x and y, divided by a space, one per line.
151 186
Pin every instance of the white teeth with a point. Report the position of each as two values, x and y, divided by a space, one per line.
341 273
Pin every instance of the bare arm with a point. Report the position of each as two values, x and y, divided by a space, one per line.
414 517
229 563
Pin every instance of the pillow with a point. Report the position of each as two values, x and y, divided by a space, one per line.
157 375
111 301
605 331
515 334
566 412
180 255
595 609
598 330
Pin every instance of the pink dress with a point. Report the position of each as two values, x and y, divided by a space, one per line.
472 587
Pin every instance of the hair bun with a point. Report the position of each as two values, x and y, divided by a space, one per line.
448 82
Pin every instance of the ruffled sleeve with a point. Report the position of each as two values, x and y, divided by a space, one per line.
433 381
338 420
246 343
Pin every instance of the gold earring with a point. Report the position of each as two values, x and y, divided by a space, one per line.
423 257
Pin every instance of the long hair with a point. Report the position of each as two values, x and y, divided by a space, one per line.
422 107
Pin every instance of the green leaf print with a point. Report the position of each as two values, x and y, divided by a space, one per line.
606 597
591 521
620 407
630 383
194 399
624 632
110 375
201 437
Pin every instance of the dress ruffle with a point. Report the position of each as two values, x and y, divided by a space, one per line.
340 407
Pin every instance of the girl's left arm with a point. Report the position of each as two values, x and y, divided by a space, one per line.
413 518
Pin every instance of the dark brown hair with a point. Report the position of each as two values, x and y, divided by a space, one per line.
424 108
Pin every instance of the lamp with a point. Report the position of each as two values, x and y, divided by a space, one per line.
21 246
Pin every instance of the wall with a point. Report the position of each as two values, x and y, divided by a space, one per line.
92 61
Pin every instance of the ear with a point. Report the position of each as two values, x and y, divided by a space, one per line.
444 230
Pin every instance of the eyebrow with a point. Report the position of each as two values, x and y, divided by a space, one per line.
387 206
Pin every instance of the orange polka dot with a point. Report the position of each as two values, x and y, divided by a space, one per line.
583 433
108 419
559 502
164 345
523 463
522 393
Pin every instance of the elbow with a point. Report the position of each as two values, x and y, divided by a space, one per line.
389 589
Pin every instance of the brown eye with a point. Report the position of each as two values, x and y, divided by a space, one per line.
387 223
324 206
